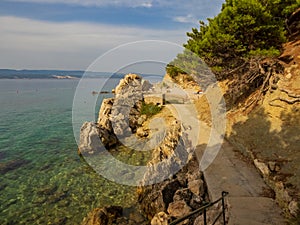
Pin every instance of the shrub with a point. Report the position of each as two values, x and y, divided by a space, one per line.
150 109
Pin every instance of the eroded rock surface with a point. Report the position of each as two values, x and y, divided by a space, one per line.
173 196
119 117
89 139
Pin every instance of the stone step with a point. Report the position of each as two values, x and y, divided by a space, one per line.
253 211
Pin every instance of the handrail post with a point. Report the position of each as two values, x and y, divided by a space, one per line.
204 217
224 193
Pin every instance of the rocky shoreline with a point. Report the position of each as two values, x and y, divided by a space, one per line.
172 185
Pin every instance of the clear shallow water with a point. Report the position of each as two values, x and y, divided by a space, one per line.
42 178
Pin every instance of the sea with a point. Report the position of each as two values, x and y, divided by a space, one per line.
43 180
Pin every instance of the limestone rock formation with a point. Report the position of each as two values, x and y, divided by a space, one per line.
120 117
89 139
106 133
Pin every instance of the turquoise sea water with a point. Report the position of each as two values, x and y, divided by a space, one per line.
42 178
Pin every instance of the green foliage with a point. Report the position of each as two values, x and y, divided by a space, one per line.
242 26
173 71
243 29
281 8
270 53
149 109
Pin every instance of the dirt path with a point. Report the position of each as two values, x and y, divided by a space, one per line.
247 201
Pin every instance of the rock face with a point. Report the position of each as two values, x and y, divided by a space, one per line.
183 189
106 133
89 139
118 118
173 185
174 196
169 156
127 104
103 216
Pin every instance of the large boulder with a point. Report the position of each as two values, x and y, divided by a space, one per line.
89 139
179 209
103 216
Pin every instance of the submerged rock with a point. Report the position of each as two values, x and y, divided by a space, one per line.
12 165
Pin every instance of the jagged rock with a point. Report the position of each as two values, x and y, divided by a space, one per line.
104 112
160 218
183 194
89 139
125 112
197 187
108 138
103 216
157 197
179 209
130 80
119 117
146 85
196 202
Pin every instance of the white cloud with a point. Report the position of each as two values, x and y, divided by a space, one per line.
186 19
27 43
146 5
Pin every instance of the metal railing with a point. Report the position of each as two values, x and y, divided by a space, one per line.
203 209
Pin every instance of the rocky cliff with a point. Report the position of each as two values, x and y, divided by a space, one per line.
118 117
173 185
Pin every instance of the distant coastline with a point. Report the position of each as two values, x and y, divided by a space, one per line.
57 74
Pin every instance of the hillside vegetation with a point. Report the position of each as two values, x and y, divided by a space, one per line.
241 43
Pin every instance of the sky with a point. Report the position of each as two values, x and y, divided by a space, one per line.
72 34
